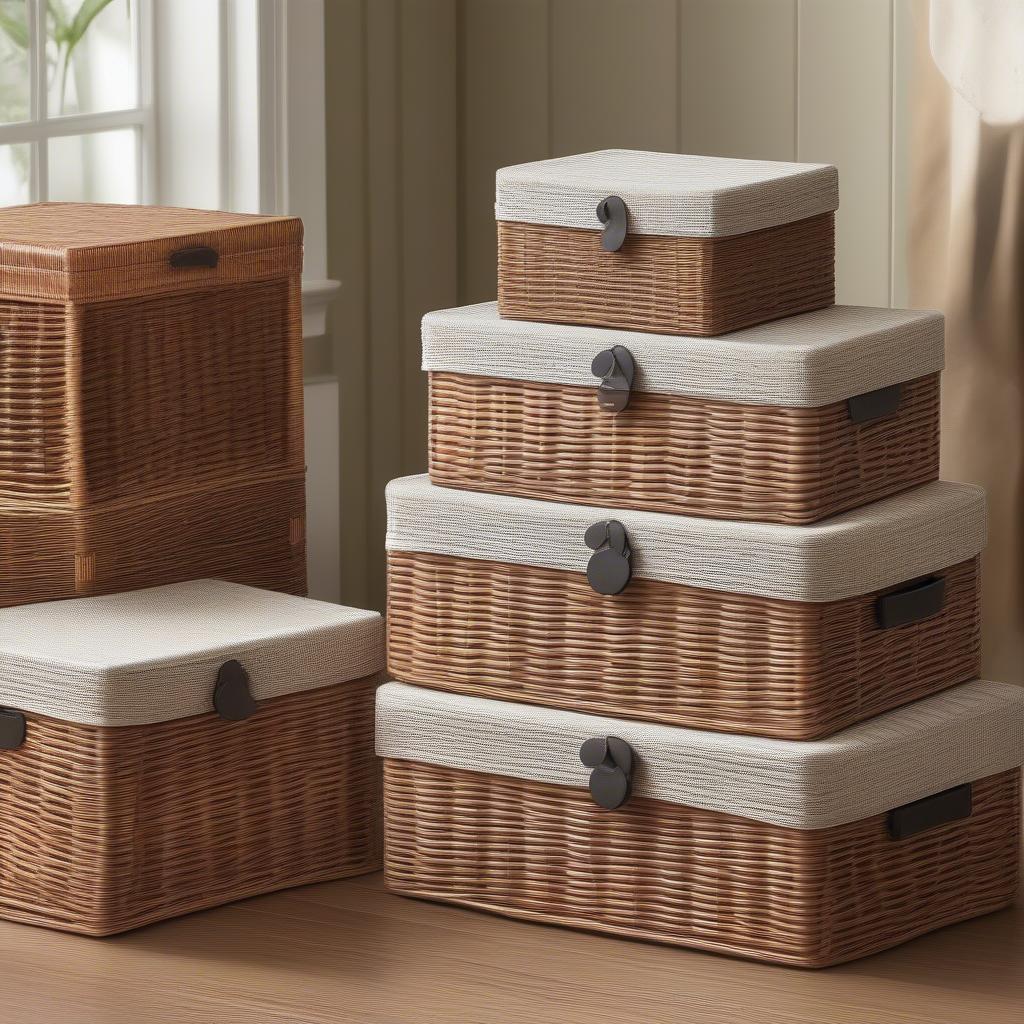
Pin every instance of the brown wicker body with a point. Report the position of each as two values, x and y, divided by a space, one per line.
106 829
654 870
122 376
249 532
679 455
661 283
667 653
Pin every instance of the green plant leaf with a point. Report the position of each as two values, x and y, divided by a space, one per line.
15 29
84 17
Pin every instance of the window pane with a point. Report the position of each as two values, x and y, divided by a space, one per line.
14 170
98 168
89 59
14 76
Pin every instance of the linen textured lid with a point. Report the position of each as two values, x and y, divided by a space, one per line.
961 735
666 193
876 546
153 655
809 360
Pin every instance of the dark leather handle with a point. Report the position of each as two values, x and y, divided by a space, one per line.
912 604
939 809
232 696
874 405
199 256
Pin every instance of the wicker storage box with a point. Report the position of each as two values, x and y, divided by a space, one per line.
146 350
786 422
181 747
663 242
248 532
787 631
806 854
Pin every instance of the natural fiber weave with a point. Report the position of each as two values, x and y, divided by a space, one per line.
667 653
658 871
196 380
703 286
678 455
102 830
245 531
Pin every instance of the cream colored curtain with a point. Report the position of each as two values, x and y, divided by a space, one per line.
966 257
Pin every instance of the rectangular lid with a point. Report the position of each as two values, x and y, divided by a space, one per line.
803 361
870 548
154 655
94 250
955 737
666 193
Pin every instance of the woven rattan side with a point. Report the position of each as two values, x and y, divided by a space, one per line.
702 286
678 455
654 870
666 653
248 531
106 829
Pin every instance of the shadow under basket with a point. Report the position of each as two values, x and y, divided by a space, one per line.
730 627
659 870
246 532
104 828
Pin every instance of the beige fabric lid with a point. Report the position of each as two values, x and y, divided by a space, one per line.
962 735
880 545
803 361
153 655
666 193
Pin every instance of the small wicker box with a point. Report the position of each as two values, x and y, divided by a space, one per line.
787 422
181 747
786 631
146 350
806 854
663 242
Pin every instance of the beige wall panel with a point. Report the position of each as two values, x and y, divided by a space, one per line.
844 117
738 77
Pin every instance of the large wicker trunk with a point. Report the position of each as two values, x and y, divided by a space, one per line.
799 854
664 242
143 350
787 422
182 747
792 632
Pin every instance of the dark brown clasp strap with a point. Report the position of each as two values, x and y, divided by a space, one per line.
616 368
611 212
609 569
611 780
232 696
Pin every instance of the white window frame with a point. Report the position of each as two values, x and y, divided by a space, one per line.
43 126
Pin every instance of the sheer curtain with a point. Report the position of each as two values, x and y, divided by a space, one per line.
966 257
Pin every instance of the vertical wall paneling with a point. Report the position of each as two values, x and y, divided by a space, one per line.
844 113
323 489
904 34
738 77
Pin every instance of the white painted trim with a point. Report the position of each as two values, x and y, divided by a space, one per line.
316 297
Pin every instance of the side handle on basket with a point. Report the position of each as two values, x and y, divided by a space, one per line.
232 696
611 212
199 256
12 729
611 780
616 368
874 405
912 604
940 809
609 569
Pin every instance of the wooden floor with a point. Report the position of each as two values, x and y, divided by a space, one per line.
351 952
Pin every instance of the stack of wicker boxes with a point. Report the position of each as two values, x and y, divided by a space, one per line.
691 626
172 736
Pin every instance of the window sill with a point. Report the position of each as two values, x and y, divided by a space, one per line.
316 297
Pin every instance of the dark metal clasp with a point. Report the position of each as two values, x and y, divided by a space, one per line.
616 368
232 696
609 569
611 780
611 212
199 256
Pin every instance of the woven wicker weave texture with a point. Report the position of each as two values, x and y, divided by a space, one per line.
106 829
702 286
251 532
677 455
658 871
668 653
192 376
